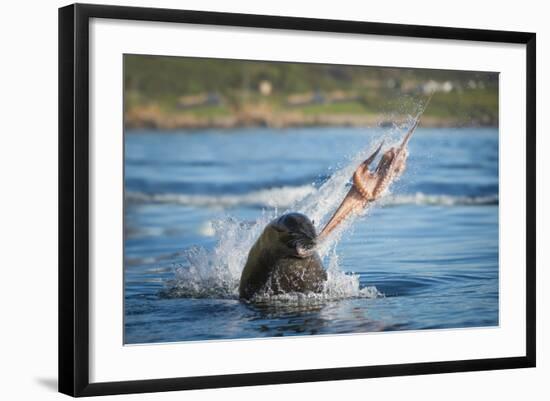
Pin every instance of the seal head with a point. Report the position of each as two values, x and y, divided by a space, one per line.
297 233
283 259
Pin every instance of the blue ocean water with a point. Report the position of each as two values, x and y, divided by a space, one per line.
424 257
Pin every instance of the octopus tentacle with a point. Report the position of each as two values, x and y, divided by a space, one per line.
369 186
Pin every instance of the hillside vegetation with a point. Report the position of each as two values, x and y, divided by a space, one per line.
180 92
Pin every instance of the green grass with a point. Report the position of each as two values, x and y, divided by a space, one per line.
470 103
208 111
332 108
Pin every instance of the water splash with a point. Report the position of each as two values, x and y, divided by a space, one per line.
216 273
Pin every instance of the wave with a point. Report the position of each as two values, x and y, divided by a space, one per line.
214 188
271 198
420 198
286 197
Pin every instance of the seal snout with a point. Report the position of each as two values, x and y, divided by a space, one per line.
305 248
299 233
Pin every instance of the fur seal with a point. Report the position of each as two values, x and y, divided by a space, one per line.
283 259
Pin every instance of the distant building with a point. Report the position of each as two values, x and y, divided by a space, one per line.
265 87
434 86
474 85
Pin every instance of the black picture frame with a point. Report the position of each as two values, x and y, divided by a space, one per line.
74 198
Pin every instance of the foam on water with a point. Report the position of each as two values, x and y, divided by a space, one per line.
281 197
286 197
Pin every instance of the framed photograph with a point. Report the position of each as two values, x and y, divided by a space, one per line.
251 199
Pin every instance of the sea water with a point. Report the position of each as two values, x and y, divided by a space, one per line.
425 256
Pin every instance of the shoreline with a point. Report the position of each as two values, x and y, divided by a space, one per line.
172 122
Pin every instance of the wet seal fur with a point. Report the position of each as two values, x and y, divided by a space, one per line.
283 259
